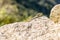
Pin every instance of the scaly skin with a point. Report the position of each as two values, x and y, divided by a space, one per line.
38 15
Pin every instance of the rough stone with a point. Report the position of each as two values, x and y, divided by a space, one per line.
55 13
40 28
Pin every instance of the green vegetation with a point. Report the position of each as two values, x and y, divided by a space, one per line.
19 10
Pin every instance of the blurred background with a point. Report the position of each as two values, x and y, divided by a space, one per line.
23 10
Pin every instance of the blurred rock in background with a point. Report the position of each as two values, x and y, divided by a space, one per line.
23 10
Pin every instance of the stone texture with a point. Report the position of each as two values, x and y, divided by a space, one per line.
40 28
55 13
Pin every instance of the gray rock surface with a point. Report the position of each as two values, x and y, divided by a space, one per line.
40 28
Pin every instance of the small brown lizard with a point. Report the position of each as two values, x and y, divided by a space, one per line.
37 16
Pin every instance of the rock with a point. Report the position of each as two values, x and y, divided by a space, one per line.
40 28
55 13
9 14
